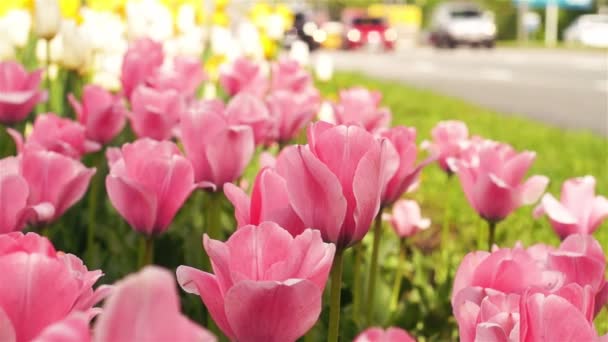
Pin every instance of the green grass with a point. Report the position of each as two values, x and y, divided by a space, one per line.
560 155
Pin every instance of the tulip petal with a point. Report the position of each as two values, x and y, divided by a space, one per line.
236 147
206 286
73 191
13 198
77 106
177 185
556 211
275 305
599 212
240 201
134 204
532 189
219 254
73 328
7 332
490 332
514 170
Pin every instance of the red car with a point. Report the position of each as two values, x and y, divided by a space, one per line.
373 32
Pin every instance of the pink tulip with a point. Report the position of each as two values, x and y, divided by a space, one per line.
102 114
73 328
449 139
219 151
54 183
155 113
267 284
492 180
406 219
392 334
334 184
404 140
185 77
57 134
142 59
41 286
14 191
246 109
19 92
145 307
578 211
359 106
244 75
148 182
291 112
269 201
288 75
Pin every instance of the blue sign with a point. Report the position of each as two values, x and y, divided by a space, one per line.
570 4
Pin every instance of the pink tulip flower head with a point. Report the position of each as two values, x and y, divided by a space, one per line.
407 175
263 270
244 75
449 139
155 113
392 334
19 92
291 112
246 109
219 151
185 76
335 182
101 113
41 286
492 180
32 196
269 201
145 307
579 209
288 75
361 107
148 182
53 133
406 219
142 59
73 328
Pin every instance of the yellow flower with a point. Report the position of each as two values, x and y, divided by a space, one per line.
69 9
212 66
116 6
7 5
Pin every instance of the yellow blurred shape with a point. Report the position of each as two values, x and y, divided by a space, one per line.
410 15
115 6
70 9
212 66
8 5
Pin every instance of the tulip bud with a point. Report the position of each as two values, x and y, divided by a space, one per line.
47 18
76 49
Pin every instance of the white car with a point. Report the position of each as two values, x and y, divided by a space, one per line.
588 29
462 23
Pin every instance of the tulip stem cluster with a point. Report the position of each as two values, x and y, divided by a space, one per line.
92 202
358 251
47 72
398 276
334 306
373 271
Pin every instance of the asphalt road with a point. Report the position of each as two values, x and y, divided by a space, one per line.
565 88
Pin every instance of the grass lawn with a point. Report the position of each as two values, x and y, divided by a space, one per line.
560 155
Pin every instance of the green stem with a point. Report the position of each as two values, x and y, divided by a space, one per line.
398 277
44 231
213 215
445 229
47 75
373 271
358 250
491 233
146 250
334 308
92 203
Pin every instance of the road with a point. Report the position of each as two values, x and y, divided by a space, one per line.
565 88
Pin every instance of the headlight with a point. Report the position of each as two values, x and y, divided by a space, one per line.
490 29
319 36
390 35
309 28
353 35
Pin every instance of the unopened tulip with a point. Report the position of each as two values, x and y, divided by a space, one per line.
291 112
101 113
41 286
392 334
579 210
269 201
19 92
335 183
405 179
246 109
145 307
449 139
148 182
54 133
219 151
244 75
361 107
13 195
263 270
288 75
155 113
47 18
493 180
406 219
140 62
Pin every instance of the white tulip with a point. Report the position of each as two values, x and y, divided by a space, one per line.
324 67
300 52
7 50
56 49
47 18
326 113
15 27
149 18
76 54
105 31
186 18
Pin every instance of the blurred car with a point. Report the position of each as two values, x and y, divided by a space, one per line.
462 23
588 29
368 31
331 38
